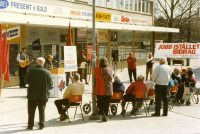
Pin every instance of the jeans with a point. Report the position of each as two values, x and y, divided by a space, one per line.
161 91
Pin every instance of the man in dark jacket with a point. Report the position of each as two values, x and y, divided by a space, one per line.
40 81
131 60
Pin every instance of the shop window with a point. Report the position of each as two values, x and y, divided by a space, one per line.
13 64
116 3
136 5
143 6
139 5
151 7
111 3
129 49
147 7
33 54
131 4
98 2
113 36
122 4
103 50
126 4
104 3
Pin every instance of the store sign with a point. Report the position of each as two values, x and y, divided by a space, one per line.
103 36
102 16
33 33
70 58
177 50
81 35
126 19
12 33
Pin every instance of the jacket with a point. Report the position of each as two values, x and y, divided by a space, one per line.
118 86
48 65
76 88
104 85
149 62
191 79
40 82
135 86
161 74
131 62
81 59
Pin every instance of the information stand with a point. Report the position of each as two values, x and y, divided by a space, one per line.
59 82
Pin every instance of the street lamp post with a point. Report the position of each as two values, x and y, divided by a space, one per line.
94 115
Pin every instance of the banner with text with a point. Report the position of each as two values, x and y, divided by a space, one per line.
70 58
177 50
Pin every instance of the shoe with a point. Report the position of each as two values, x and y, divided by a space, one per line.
104 119
131 81
86 83
41 128
133 111
29 128
164 114
20 86
123 112
63 118
25 87
155 114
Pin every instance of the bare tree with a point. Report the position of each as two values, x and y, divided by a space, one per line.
174 11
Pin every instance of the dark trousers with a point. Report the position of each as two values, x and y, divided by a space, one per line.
103 104
22 73
128 97
59 104
83 74
31 112
161 91
67 78
130 72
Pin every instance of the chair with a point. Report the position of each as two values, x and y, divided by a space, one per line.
151 93
115 99
74 102
173 92
139 96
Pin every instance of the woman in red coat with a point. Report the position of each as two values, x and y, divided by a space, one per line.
104 87
131 60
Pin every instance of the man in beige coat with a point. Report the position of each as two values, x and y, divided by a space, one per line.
76 88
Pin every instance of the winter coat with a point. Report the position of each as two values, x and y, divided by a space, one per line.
104 85
81 59
40 82
118 86
131 62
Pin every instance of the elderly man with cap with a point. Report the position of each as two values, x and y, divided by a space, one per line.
161 76
190 78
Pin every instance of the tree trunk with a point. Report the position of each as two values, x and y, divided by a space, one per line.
170 38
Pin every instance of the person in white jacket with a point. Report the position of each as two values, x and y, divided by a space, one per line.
161 76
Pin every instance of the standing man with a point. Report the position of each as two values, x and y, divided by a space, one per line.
132 66
40 82
161 76
150 62
22 70
82 71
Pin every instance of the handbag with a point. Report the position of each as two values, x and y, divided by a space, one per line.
186 93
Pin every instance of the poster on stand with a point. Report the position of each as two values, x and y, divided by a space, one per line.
177 50
70 58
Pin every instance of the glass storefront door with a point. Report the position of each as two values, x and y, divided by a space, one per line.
113 46
103 50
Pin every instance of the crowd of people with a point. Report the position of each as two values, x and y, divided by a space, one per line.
40 82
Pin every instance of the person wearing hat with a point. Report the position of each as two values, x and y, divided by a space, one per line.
183 75
190 78
190 68
82 71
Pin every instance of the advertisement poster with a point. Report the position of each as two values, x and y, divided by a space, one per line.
70 58
103 36
177 50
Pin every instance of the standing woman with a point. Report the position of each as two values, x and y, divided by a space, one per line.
48 63
104 87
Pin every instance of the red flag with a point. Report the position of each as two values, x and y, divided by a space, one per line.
69 37
5 48
1 52
6 64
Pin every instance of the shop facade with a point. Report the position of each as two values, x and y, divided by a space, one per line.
123 25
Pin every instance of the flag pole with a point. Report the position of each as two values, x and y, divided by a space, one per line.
2 78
